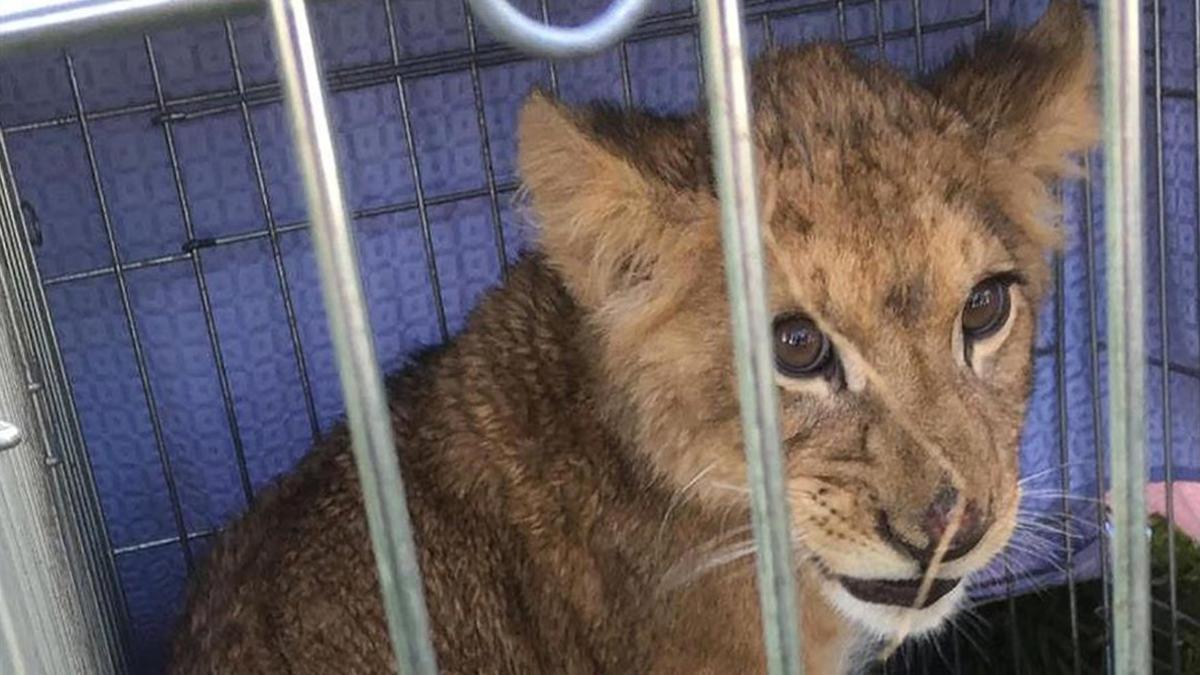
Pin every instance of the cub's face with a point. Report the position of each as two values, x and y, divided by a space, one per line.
907 228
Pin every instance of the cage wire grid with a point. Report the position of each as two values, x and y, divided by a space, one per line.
83 530
158 254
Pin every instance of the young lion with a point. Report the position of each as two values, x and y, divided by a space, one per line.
574 459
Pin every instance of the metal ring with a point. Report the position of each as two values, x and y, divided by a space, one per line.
539 39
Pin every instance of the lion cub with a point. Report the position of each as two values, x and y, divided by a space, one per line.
574 459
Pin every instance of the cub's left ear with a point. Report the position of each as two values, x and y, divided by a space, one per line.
1031 93
620 198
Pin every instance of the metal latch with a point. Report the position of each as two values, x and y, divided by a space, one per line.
10 436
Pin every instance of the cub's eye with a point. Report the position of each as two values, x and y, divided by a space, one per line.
801 349
986 309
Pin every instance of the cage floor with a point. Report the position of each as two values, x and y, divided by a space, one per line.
167 220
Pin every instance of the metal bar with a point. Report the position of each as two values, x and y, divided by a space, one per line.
511 26
59 22
1096 399
366 404
731 128
918 37
124 267
358 77
485 145
159 543
696 44
841 18
1165 345
1064 453
210 325
626 78
139 355
879 39
544 9
414 166
84 580
1121 39
956 651
12 656
264 198
56 390
287 228
1196 234
1014 637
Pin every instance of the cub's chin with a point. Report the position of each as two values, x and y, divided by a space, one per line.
884 608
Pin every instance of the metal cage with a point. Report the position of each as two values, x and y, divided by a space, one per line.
1146 375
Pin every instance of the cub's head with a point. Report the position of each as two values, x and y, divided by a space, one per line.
907 228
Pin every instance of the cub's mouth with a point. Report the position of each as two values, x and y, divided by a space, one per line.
898 592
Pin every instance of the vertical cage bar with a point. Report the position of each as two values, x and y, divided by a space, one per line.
956 651
12 652
880 41
1164 329
1014 637
1196 164
139 354
544 8
1064 453
210 325
414 165
841 19
345 306
485 142
731 123
918 35
285 287
1121 39
1089 231
626 79
696 43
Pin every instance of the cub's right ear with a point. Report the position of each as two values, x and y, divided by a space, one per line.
1032 93
607 191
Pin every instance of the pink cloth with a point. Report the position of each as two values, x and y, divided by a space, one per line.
1187 504
1186 495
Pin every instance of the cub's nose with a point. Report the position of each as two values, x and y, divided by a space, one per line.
933 524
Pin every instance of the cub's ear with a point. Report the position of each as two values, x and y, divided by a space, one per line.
617 196
1032 93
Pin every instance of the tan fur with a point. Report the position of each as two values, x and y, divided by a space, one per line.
574 460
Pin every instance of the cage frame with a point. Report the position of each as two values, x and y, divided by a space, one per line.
303 91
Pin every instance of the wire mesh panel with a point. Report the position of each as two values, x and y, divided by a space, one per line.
52 600
60 480
164 212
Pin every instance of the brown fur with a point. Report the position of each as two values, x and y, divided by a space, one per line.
574 459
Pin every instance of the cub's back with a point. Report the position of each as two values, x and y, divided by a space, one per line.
292 587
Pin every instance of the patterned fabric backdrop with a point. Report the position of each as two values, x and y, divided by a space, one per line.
201 366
